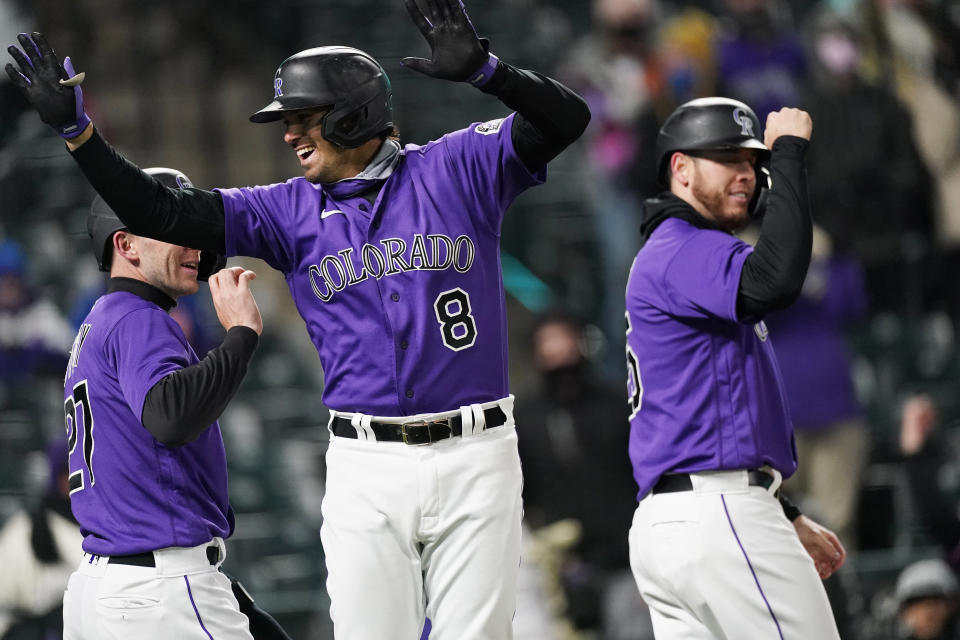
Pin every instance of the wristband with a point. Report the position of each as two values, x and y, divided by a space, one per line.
790 510
74 129
484 73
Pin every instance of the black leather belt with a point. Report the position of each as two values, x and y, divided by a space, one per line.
418 431
146 558
673 482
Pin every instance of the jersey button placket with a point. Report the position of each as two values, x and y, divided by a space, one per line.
403 343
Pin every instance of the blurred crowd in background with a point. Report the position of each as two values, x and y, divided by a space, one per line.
869 353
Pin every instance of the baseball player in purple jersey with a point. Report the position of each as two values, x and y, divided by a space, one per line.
713 552
148 475
391 255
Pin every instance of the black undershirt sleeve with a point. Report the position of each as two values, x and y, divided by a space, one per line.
789 509
773 274
182 405
186 217
549 115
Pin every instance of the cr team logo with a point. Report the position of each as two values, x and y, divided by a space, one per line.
277 84
746 122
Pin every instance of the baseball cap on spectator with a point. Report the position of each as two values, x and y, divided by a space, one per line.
930 578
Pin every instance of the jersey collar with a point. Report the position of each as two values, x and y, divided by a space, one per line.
667 205
372 177
144 290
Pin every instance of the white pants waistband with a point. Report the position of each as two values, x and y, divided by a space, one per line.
170 561
471 416
705 482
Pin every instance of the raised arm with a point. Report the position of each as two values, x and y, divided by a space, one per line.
549 115
186 217
773 274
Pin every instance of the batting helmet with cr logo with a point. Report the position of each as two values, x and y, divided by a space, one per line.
348 81
712 123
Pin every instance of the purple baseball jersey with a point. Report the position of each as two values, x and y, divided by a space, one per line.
704 389
403 298
129 492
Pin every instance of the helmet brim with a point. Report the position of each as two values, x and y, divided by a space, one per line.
752 143
275 110
270 113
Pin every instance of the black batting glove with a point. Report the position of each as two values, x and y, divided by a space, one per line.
263 626
457 52
50 88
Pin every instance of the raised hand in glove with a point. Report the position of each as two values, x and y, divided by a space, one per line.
53 90
457 53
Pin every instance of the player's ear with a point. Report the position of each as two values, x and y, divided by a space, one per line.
125 247
680 167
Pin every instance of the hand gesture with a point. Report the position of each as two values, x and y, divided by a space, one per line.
456 51
787 122
53 90
233 300
822 544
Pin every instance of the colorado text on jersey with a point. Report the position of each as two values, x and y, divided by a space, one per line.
338 271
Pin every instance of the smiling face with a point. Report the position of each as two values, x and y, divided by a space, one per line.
170 268
719 184
322 161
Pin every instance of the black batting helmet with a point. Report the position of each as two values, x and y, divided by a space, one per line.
102 223
713 123
350 82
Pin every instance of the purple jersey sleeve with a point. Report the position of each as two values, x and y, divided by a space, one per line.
140 363
483 160
703 276
259 220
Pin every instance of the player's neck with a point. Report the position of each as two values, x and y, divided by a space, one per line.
354 161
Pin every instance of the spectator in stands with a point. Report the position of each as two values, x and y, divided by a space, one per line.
869 188
926 594
35 337
615 68
686 57
759 59
902 49
572 449
928 461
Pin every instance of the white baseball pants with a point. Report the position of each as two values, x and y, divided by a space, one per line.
722 562
183 597
424 531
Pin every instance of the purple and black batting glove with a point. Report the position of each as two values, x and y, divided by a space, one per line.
457 52
53 90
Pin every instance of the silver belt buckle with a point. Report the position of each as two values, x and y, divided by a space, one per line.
421 423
